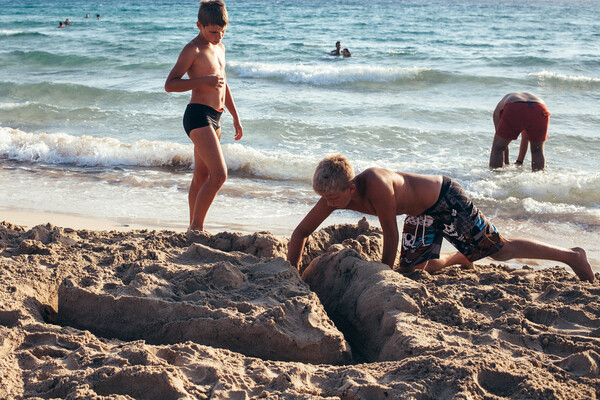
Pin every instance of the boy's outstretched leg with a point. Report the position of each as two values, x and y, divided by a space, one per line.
445 260
575 257
210 172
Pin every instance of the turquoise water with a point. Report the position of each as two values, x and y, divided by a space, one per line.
86 127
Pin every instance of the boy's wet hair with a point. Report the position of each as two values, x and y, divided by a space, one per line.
213 12
333 174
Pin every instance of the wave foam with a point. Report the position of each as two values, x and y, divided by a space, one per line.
325 74
60 148
8 32
88 151
577 80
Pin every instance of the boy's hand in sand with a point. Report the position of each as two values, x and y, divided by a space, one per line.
239 131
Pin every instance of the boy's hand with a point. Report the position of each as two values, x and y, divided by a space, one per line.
239 131
215 81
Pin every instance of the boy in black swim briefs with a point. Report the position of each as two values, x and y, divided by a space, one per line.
203 59
436 207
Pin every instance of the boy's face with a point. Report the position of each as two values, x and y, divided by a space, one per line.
212 33
340 199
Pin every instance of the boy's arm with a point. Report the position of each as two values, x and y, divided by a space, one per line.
384 202
313 219
230 104
175 83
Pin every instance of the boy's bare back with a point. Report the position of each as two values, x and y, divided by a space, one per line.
409 193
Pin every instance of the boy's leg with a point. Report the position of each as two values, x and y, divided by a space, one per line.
499 146
445 260
575 257
538 160
199 177
210 172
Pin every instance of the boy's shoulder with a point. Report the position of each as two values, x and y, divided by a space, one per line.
373 180
377 174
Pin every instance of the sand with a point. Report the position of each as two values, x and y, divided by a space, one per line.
149 314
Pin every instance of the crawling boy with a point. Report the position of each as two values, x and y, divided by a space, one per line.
436 207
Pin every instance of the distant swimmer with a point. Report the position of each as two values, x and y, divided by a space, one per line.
520 113
346 53
97 16
68 22
87 15
336 52
60 24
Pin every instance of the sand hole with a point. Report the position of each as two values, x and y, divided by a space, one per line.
499 383
9 318
140 385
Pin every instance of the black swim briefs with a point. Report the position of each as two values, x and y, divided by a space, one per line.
199 116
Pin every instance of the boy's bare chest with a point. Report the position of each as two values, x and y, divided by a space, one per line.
209 61
364 206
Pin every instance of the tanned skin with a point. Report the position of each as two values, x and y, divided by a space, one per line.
387 194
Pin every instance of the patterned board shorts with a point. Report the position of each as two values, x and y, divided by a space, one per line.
455 218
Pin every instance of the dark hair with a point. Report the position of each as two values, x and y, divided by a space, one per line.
212 12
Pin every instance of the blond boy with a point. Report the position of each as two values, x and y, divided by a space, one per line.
203 59
436 207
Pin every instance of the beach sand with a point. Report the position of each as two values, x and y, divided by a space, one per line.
97 310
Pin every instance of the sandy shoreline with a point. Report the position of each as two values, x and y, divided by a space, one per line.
31 219
151 314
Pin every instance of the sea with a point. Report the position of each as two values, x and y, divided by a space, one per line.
86 128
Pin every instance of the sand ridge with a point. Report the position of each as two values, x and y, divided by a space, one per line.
164 315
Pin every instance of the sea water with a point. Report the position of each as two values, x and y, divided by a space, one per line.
87 129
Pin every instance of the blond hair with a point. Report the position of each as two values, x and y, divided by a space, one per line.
212 12
333 174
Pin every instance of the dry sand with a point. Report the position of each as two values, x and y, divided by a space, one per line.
145 314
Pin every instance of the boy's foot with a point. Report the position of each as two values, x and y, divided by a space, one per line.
581 266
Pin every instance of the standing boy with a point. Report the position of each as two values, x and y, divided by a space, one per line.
436 207
520 113
203 59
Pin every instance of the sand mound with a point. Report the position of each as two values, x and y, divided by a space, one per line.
163 315
258 307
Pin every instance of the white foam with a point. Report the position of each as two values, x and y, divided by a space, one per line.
551 76
60 148
322 74
270 165
10 106
9 32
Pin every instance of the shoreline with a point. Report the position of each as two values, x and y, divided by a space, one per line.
32 219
